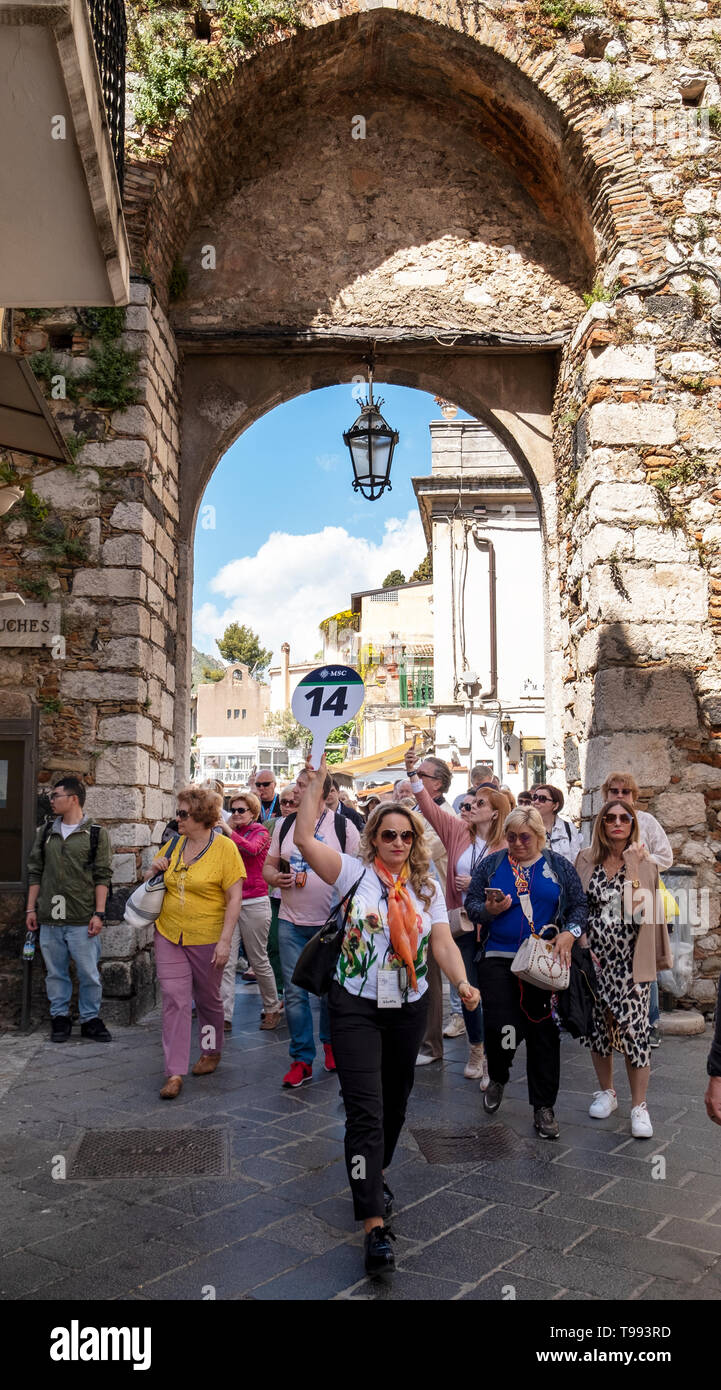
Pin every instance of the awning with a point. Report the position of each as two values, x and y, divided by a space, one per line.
359 767
26 424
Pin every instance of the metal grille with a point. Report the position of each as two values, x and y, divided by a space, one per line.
110 34
142 1153
489 1144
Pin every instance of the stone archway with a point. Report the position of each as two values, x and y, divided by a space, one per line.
486 193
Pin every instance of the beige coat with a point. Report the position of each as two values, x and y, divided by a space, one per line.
653 948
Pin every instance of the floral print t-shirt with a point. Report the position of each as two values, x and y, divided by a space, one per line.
367 942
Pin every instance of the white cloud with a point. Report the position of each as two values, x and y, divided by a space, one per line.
293 582
327 462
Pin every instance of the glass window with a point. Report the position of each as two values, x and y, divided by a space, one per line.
244 713
237 675
236 713
11 810
227 714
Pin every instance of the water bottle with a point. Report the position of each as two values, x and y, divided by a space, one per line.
29 945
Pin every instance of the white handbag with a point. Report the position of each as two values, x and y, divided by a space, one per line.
145 902
534 961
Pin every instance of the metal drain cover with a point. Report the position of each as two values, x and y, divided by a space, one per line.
142 1153
489 1144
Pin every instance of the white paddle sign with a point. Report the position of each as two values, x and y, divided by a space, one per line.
325 698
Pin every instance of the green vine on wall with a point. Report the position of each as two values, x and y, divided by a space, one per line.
110 382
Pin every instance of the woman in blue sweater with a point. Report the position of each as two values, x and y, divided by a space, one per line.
525 886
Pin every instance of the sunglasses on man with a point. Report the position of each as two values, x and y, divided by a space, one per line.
264 784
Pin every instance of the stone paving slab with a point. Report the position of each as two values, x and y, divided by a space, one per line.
586 1218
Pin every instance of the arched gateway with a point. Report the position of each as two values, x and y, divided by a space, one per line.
418 177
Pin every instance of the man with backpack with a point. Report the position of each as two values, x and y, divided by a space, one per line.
305 903
69 879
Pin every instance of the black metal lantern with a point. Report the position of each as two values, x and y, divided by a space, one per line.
371 443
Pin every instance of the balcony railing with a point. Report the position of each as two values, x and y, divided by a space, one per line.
415 686
110 34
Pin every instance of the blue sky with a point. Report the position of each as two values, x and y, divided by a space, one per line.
291 539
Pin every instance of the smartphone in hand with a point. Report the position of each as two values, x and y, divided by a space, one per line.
494 895
283 866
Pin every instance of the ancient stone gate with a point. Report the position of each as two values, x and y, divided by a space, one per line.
428 178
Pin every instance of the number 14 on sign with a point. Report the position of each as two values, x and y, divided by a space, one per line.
325 698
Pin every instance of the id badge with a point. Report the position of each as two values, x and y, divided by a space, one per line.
389 988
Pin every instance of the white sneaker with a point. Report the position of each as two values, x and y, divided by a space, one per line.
474 1066
455 1026
641 1127
603 1104
424 1059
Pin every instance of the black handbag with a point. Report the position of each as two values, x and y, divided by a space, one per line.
315 966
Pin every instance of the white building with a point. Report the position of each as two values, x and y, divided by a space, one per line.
230 758
481 522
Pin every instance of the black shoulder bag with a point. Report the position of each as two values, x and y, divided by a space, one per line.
315 967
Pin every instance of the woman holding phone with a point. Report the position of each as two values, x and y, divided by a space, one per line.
468 840
524 887
378 999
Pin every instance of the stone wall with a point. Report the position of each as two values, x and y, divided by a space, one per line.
106 701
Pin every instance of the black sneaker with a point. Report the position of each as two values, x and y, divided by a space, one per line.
379 1258
387 1200
654 1038
95 1028
545 1122
61 1029
492 1097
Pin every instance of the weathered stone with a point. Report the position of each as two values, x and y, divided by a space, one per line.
116 453
691 364
130 619
613 363
631 424
646 754
126 728
110 583
704 992
114 803
154 804
70 492
119 941
123 765
659 543
124 868
117 979
93 685
675 809
136 833
666 591
121 653
648 699
700 775
682 1023
129 550
614 502
133 516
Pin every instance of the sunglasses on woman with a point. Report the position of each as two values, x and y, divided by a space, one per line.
618 820
406 836
466 805
541 798
182 815
520 839
238 810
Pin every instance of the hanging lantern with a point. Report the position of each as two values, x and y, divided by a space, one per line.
371 442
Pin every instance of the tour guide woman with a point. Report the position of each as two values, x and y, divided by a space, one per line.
527 876
378 999
203 882
627 931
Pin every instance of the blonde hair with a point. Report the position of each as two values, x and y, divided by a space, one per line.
204 805
623 777
600 843
527 816
419 859
501 804
251 800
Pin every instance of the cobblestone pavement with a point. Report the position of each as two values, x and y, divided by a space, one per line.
597 1215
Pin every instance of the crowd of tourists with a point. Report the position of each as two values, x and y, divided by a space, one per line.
424 889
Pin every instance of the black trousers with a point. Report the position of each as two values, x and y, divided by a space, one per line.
510 1011
375 1053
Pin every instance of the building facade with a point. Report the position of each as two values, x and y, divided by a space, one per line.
235 705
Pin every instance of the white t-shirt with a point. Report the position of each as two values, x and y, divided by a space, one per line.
309 906
470 859
367 940
66 830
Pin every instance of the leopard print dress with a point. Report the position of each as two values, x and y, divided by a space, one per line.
620 1015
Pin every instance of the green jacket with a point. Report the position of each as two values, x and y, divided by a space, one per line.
67 882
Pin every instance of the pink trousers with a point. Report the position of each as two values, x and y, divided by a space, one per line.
186 974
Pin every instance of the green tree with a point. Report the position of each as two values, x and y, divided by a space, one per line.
339 736
393 579
240 643
424 573
283 726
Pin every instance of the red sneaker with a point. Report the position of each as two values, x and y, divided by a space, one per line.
329 1058
299 1072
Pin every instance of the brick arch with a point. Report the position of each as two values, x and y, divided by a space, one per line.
559 149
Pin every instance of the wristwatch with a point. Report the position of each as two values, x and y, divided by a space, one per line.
575 931
101 915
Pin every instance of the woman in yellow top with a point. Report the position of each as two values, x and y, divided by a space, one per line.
203 881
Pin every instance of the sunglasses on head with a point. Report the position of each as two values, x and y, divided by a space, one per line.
406 836
621 819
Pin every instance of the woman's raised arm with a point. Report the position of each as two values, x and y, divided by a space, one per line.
322 859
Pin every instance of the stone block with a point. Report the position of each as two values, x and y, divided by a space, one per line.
633 423
662 592
120 653
110 685
130 620
133 516
602 541
700 776
646 754
167 710
154 809
116 453
167 776
613 363
691 364
678 809
124 868
704 992
126 728
157 662
125 764
660 543
129 550
643 699
153 779
119 941
117 980
133 833
135 420
625 502
14 704
681 1023
110 583
702 429
155 596
69 492
140 292
114 803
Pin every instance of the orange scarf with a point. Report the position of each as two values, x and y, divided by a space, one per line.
402 917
